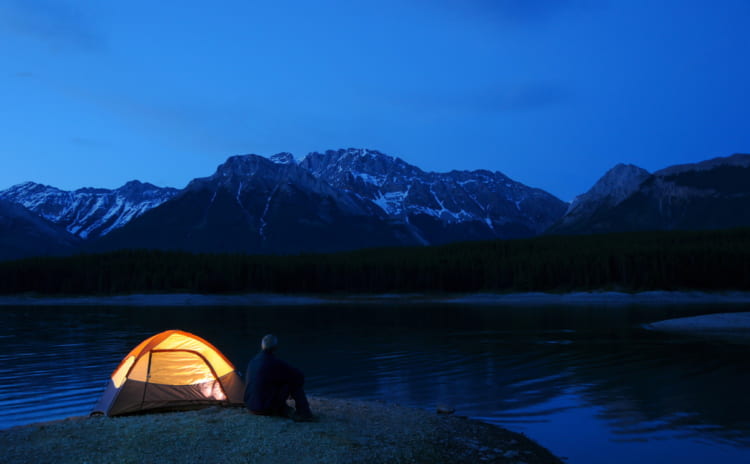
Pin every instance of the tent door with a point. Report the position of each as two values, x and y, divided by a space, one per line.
182 374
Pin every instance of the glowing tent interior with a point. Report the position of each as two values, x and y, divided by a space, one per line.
171 370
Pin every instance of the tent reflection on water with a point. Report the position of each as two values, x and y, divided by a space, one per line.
173 370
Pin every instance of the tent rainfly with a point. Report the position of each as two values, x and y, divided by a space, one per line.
171 370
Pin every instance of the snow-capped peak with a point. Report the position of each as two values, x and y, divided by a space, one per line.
406 193
283 158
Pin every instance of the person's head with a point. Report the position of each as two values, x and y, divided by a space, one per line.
269 343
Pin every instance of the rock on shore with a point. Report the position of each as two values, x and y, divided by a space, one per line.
347 432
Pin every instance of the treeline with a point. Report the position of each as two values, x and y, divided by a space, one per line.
704 260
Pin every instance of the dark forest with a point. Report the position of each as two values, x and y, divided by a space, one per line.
700 260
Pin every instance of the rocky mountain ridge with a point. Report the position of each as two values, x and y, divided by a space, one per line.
611 189
712 194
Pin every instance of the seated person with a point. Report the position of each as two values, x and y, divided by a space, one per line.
270 381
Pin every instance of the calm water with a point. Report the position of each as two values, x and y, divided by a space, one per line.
586 382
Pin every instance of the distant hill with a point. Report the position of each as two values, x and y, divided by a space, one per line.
23 233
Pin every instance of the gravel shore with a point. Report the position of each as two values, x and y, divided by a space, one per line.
347 432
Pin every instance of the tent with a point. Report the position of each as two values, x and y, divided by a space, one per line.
172 370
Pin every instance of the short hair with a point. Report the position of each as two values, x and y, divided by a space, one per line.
269 342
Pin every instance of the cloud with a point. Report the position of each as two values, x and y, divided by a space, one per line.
58 24
500 99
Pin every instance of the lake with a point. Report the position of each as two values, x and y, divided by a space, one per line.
587 382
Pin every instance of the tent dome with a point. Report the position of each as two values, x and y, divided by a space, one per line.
171 370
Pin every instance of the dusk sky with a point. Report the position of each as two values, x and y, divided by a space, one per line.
550 92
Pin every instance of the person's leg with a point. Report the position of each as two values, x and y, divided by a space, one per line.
297 392
300 401
279 406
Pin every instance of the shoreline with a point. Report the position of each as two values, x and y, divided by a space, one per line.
265 299
347 431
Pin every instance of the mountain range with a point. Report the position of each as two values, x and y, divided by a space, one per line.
355 198
337 200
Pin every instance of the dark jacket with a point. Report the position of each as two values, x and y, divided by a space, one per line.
269 381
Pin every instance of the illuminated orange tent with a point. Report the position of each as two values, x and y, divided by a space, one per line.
171 370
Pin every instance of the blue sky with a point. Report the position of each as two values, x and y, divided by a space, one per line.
550 92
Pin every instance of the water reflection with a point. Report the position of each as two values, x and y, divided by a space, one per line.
652 385
540 370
